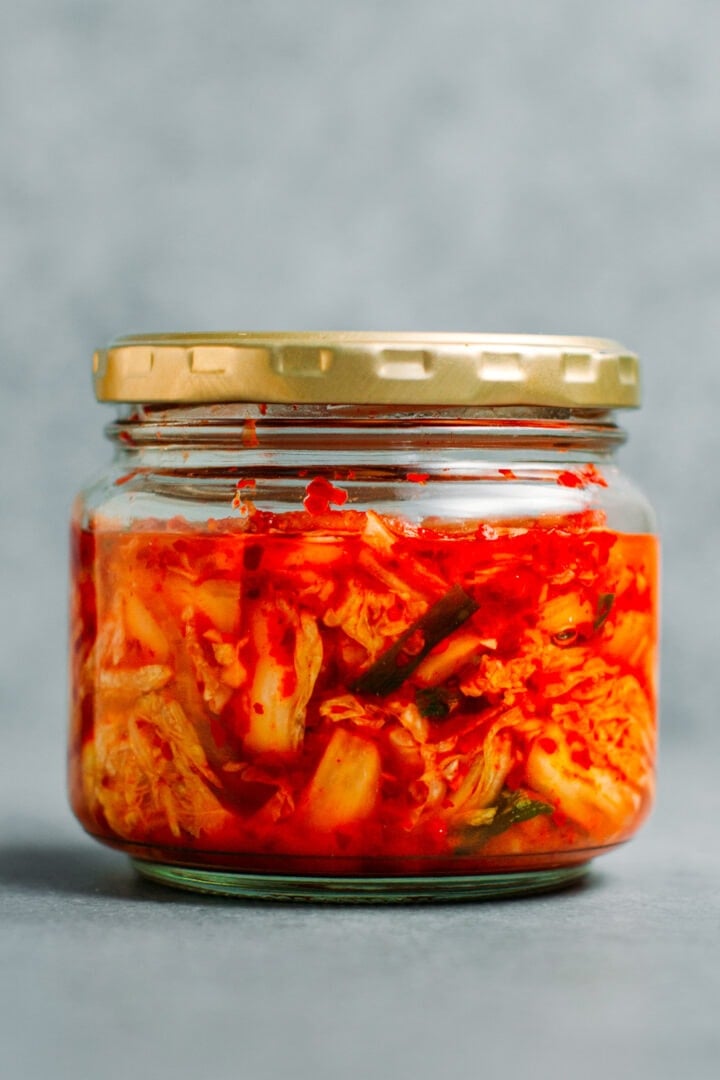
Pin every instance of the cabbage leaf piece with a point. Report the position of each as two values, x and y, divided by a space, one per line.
146 770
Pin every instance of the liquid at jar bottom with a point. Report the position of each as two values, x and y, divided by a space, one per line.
336 705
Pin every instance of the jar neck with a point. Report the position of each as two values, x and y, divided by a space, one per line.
355 436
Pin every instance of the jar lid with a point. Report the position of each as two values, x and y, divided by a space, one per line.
368 368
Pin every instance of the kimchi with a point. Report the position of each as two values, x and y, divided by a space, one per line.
339 688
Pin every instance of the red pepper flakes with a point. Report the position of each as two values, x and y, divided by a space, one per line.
581 758
507 474
417 477
249 434
241 504
547 744
246 482
129 476
570 479
594 476
582 477
320 494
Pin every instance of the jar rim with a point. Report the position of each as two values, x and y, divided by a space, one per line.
363 367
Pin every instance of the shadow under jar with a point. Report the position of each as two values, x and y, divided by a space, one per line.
363 617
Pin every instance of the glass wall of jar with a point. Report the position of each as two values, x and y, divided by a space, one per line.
363 648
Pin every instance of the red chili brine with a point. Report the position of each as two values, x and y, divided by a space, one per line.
354 649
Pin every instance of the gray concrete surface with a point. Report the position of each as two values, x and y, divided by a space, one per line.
499 165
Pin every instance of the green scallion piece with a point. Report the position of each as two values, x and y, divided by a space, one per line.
390 670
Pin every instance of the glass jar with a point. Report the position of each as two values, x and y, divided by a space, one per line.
363 616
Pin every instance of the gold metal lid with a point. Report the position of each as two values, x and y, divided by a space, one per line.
368 368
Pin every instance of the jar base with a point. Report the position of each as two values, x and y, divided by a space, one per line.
360 890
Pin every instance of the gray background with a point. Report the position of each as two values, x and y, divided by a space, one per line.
473 164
